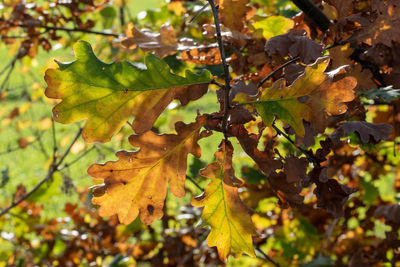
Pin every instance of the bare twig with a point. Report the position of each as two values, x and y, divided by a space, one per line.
53 168
194 182
9 150
198 13
227 77
10 68
309 156
68 164
266 257
276 70
72 30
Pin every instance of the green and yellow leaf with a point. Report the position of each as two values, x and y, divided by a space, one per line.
137 182
312 96
224 211
108 94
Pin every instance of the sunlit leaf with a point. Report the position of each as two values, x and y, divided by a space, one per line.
108 94
224 211
137 182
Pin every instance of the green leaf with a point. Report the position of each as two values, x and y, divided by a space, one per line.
108 94
312 96
273 25
386 93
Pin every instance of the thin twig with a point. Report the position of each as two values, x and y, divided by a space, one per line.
198 13
194 182
227 77
10 69
309 156
68 164
267 258
53 168
72 30
9 150
276 70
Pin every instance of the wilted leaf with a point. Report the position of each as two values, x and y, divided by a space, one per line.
332 196
224 211
287 192
368 132
391 213
295 169
163 43
233 13
319 93
264 160
137 182
385 29
296 44
108 94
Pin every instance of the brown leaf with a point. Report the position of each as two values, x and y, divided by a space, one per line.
190 93
295 169
368 132
296 44
287 192
386 27
332 196
164 43
391 213
233 13
137 182
264 160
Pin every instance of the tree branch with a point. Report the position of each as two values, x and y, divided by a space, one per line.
266 257
312 11
72 30
53 168
227 77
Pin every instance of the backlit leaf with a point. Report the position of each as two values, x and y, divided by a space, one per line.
108 94
224 211
273 25
310 97
137 182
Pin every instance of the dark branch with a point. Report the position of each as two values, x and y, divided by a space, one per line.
72 30
227 77
194 182
267 258
312 11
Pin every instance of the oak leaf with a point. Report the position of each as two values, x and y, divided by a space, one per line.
296 44
224 211
368 132
233 13
108 94
163 43
312 97
137 182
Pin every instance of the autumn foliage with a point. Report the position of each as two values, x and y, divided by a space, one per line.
293 160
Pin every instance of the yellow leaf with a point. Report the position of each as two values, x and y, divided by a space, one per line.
224 211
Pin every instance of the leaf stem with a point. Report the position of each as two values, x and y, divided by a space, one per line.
227 77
